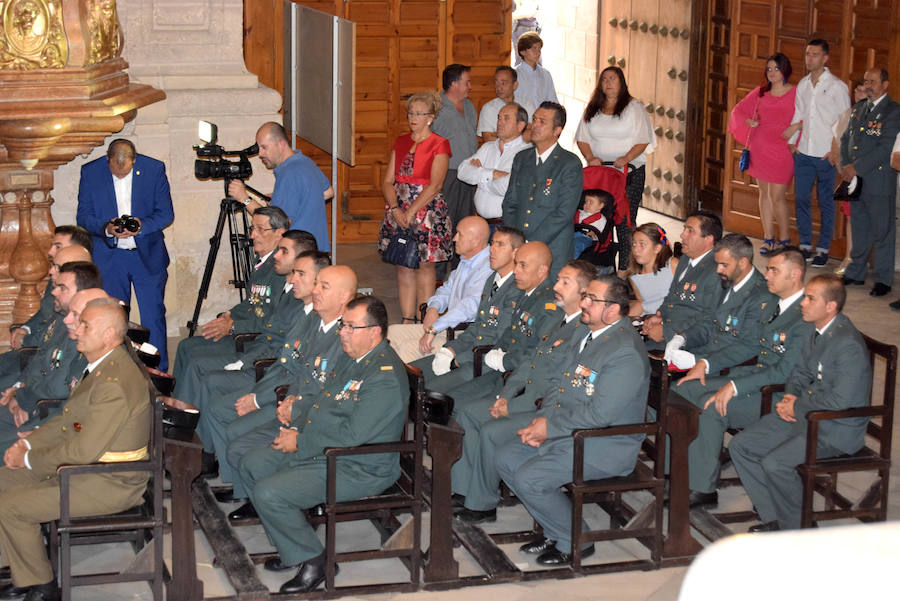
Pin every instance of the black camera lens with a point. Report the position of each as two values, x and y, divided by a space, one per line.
201 169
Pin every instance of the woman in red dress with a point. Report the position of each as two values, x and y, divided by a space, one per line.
412 193
758 121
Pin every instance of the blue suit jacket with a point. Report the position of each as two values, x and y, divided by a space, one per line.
150 202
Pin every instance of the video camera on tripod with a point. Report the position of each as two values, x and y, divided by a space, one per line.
211 163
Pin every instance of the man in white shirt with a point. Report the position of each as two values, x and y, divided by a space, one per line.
489 167
506 82
820 100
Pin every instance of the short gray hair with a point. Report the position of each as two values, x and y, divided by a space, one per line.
278 219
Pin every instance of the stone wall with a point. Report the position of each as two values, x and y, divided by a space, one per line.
192 50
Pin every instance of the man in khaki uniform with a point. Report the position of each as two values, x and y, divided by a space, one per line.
107 419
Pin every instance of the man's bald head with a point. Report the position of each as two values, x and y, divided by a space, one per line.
335 287
77 305
68 254
532 265
101 328
472 235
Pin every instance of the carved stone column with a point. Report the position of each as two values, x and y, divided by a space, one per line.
65 88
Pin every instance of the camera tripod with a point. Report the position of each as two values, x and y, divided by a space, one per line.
242 256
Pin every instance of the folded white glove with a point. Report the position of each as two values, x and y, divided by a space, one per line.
441 362
673 345
148 348
682 359
237 365
494 359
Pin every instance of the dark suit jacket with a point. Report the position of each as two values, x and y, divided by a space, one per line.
542 201
868 142
150 202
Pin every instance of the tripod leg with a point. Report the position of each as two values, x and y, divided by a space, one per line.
214 243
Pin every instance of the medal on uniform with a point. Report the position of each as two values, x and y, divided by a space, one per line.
819 375
493 314
56 358
547 186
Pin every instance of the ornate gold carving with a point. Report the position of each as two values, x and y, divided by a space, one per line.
103 25
32 35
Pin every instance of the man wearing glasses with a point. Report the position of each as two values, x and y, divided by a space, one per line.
250 315
603 383
366 402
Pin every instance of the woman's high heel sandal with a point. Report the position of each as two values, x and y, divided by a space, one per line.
767 247
409 319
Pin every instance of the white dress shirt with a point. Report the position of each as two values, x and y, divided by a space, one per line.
490 192
535 85
123 205
819 107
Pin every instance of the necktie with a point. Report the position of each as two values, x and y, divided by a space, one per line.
85 374
584 342
775 314
494 289
540 162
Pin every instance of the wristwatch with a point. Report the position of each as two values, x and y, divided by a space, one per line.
431 331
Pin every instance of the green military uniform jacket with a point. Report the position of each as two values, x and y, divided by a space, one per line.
528 381
251 314
367 402
45 376
867 144
495 314
40 321
730 336
695 292
542 200
287 311
536 314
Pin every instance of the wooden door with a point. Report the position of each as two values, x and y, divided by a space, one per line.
402 47
651 41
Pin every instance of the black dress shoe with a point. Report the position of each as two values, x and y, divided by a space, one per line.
538 546
703 499
274 564
5 573
765 527
851 282
555 557
895 305
11 591
457 501
209 465
474 516
227 496
43 592
879 289
310 575
244 512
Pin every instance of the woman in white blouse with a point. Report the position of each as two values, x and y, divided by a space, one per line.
616 129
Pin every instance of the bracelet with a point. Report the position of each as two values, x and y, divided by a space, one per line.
394 208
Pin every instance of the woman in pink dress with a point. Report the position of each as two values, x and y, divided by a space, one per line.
758 121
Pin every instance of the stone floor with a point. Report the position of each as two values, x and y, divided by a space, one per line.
872 316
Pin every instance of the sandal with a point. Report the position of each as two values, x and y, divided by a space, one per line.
767 247
409 319
783 243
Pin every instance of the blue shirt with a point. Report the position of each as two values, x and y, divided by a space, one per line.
460 295
299 189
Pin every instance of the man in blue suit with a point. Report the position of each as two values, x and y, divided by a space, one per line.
127 183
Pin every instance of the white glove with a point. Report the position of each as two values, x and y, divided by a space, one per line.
682 359
237 365
673 345
494 359
441 362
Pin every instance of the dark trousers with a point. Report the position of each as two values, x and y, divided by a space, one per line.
634 190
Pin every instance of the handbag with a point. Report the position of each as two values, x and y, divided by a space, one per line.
744 162
402 249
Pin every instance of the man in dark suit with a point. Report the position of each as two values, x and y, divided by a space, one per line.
545 187
604 383
866 152
832 374
126 183
106 419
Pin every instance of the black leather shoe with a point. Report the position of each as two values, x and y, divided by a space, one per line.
457 501
895 305
765 527
244 512
703 499
851 282
474 516
538 546
5 573
11 591
310 575
555 557
227 496
879 289
43 592
274 564
209 465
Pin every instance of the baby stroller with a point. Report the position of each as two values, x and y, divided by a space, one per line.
595 244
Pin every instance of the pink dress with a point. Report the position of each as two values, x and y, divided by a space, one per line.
770 158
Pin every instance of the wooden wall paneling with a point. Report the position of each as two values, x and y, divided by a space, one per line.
479 37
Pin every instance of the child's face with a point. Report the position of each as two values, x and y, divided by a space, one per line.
592 204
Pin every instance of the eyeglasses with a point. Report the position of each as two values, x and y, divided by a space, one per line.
414 114
593 299
341 324
253 228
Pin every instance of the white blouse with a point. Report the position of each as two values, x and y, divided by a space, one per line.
611 137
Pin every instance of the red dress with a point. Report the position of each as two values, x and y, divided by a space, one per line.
770 158
412 172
